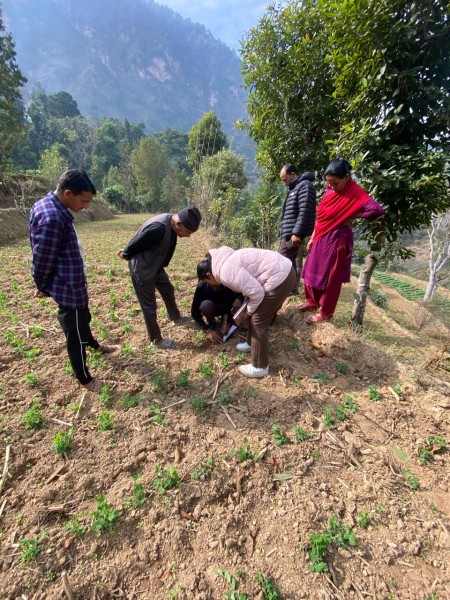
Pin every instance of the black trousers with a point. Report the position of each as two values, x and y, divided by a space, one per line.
75 324
295 255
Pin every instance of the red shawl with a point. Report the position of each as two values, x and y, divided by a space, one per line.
338 207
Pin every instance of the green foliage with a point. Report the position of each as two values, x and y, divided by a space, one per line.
206 368
74 527
374 393
105 421
139 495
11 111
131 402
280 438
183 378
364 519
166 479
411 481
157 416
301 435
198 404
30 548
105 395
349 404
244 452
320 542
328 419
33 418
62 442
434 444
159 381
234 594
270 590
104 517
226 396
32 379
342 368
206 138
205 469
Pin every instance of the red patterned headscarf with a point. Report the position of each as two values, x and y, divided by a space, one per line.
338 207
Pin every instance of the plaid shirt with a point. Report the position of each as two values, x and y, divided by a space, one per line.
57 265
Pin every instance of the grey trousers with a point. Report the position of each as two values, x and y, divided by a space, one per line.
258 328
146 294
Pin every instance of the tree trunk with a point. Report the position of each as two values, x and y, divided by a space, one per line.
431 287
362 291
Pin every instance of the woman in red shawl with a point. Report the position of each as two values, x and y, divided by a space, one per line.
328 264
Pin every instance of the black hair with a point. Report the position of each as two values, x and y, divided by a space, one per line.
204 267
339 167
289 169
76 181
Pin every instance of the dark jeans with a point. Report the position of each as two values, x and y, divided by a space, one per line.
75 324
146 294
295 255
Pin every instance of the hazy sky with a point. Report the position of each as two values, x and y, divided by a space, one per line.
227 20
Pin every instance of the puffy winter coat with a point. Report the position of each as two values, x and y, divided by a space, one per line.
299 208
250 271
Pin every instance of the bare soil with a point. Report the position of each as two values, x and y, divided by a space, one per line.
249 517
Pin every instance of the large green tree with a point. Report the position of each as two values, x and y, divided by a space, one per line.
205 139
374 87
11 109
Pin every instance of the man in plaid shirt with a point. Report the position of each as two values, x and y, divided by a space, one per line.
58 267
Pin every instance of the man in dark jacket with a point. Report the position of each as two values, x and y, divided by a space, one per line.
150 250
298 215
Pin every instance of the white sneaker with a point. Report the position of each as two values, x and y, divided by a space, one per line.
244 347
251 371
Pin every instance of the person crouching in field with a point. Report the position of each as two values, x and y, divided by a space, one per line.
266 278
210 302
58 267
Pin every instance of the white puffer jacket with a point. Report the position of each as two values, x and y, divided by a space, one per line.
250 271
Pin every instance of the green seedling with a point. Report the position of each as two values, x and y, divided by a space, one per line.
411 481
342 368
183 378
204 469
380 509
33 419
104 421
224 361
166 479
280 438
320 542
198 404
68 369
341 412
32 379
294 343
127 327
36 331
270 590
95 360
131 402
157 416
434 444
328 419
301 435
297 381
159 381
138 496
235 594
30 548
241 358
104 517
126 350
226 396
206 369
342 534
398 389
62 442
244 452
425 455
320 377
363 519
105 395
374 393
75 528
349 404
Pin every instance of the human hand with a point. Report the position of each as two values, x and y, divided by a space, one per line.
309 245
295 240
39 294
214 336
119 254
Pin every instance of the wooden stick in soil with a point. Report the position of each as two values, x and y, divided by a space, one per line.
66 585
175 404
2 508
228 416
81 404
55 474
5 468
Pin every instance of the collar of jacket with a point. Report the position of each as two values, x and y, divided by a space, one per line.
294 182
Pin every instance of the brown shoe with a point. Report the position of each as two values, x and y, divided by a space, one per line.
305 307
107 348
95 386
